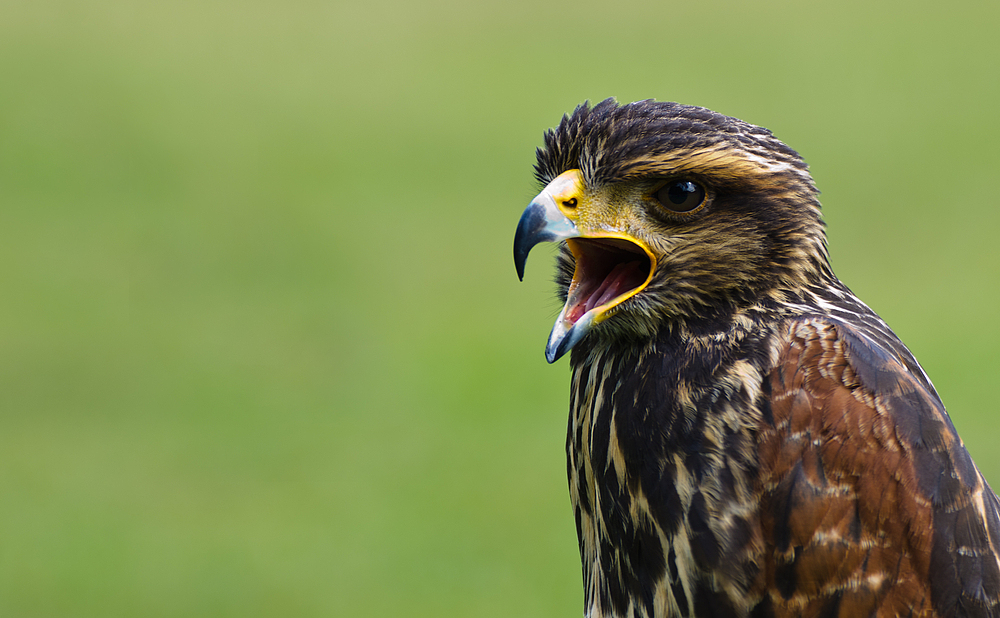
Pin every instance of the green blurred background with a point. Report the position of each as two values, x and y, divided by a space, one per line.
262 347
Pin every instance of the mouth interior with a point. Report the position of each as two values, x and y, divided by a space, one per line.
608 270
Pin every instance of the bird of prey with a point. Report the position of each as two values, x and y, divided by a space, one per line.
746 437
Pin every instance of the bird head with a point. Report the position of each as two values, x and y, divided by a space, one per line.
668 214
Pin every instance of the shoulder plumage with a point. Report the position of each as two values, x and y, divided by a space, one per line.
868 484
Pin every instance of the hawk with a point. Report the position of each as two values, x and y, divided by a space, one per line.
746 437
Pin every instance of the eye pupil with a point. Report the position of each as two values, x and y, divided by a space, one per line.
679 192
681 195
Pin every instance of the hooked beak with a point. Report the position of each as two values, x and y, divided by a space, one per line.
611 266
542 221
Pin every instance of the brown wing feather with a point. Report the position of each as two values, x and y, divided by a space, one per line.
870 500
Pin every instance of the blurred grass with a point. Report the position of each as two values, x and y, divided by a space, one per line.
264 351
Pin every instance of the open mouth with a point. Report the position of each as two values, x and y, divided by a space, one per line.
608 272
610 265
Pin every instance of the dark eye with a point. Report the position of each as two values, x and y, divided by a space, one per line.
681 195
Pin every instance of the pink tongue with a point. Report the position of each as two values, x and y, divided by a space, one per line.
613 285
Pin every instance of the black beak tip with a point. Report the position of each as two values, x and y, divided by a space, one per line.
526 237
520 257
538 224
553 355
